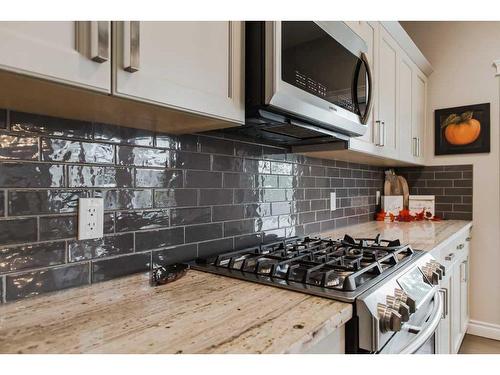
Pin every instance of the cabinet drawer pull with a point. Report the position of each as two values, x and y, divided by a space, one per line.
131 46
468 239
414 146
418 147
460 247
450 256
382 139
99 41
445 301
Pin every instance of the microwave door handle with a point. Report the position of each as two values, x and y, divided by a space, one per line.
369 104
424 333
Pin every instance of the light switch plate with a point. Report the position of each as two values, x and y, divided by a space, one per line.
90 218
333 201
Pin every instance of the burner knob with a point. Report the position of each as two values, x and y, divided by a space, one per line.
403 297
397 305
431 274
390 320
439 268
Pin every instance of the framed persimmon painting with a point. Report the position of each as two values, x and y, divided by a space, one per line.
462 130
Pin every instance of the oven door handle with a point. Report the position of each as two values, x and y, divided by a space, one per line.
431 325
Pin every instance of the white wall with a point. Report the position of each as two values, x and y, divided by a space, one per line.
462 54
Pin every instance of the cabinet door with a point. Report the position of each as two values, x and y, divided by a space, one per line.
418 120
455 308
464 295
405 109
387 93
192 66
49 50
443 332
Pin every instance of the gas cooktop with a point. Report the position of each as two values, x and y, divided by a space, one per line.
339 269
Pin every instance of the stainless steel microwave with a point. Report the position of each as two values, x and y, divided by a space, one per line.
306 82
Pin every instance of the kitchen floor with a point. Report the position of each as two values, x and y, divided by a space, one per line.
479 345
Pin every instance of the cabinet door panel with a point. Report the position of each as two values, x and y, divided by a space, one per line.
387 92
455 309
193 66
419 105
443 333
405 101
48 50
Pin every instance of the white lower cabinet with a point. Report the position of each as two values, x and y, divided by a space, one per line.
192 66
69 52
453 326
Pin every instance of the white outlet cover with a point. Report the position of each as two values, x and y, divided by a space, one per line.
90 218
333 201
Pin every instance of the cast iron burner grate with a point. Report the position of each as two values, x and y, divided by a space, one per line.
335 264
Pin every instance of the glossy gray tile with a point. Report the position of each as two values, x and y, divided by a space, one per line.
186 142
229 212
15 231
189 160
227 163
17 147
239 180
158 178
188 216
85 176
57 227
174 255
142 156
175 197
100 247
203 232
214 247
116 134
108 269
202 179
28 122
16 258
61 150
48 280
159 238
216 196
2 203
32 175
216 146
35 202
126 199
141 220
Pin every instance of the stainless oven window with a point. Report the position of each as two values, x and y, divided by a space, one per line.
315 62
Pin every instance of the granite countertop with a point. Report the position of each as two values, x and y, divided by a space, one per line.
200 313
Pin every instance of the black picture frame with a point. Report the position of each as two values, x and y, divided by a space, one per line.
481 113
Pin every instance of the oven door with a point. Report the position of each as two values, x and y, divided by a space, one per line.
418 336
319 71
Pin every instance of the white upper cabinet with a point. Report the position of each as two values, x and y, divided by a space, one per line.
386 131
191 66
405 109
56 51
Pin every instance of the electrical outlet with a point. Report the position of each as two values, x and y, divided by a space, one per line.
377 197
333 201
90 218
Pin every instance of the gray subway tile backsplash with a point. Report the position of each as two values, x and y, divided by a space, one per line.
451 185
170 198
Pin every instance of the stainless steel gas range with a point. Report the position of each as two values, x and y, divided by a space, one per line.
393 288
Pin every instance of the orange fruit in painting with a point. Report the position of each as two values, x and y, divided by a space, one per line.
461 130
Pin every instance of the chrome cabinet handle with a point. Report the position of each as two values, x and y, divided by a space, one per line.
131 46
414 146
468 239
99 41
444 291
450 256
418 147
460 247
465 274
376 138
382 141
